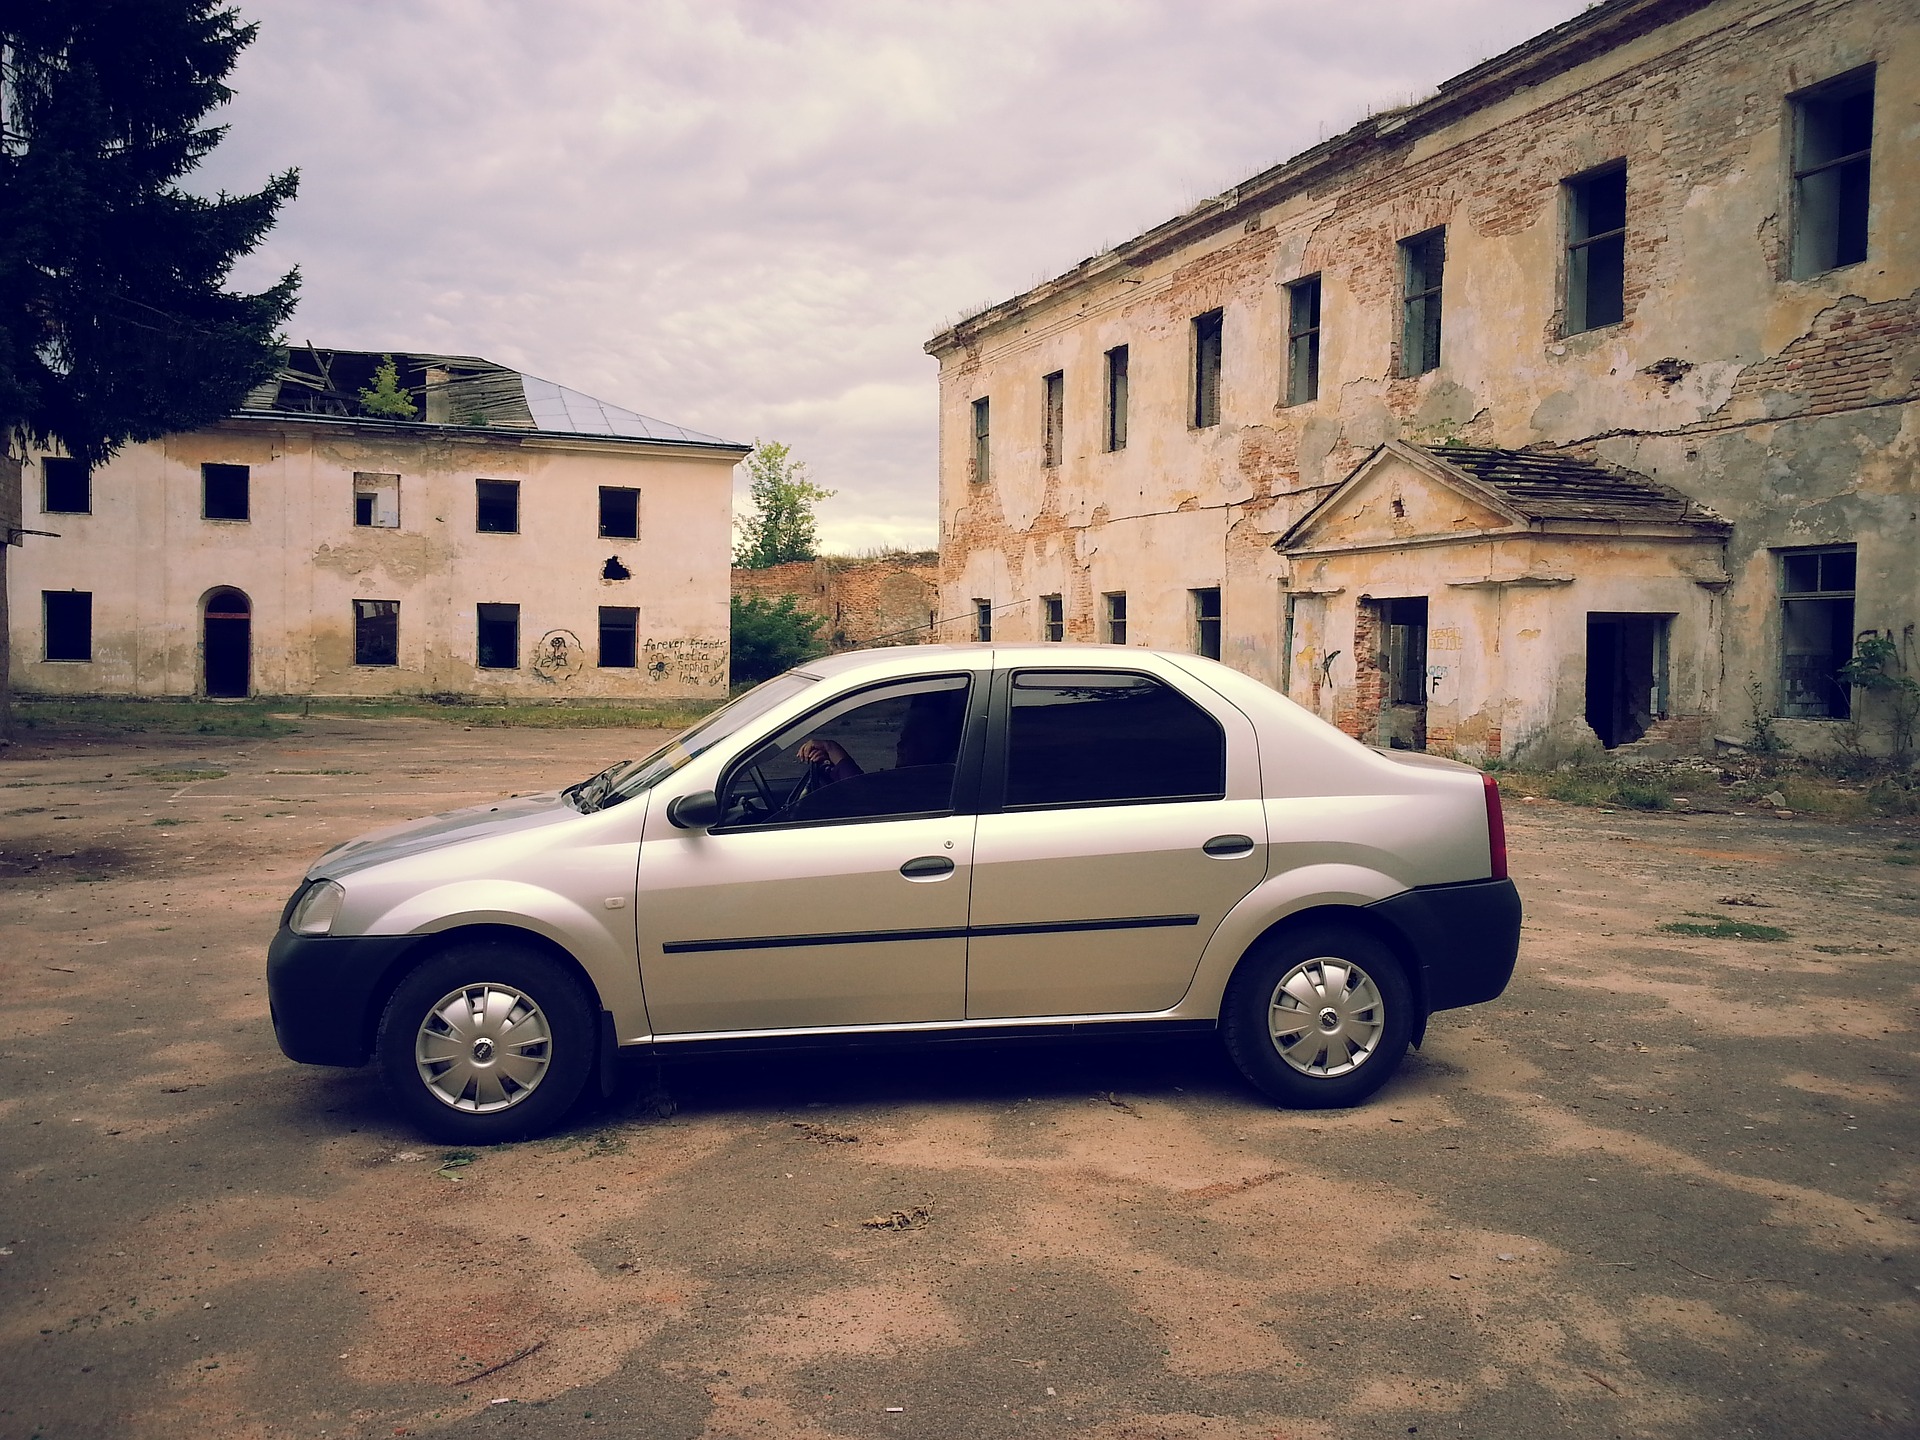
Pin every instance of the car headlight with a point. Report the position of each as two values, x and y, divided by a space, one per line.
315 913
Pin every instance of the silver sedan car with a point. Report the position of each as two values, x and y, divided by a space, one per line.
930 841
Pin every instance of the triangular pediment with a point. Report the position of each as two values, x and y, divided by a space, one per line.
1400 495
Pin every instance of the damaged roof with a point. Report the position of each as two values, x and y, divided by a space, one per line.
1554 487
462 391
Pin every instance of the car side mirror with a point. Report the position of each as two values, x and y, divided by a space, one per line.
696 811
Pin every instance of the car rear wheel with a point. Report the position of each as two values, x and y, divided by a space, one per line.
1318 1017
486 1042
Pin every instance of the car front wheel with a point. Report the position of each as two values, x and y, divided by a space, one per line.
486 1042
1318 1017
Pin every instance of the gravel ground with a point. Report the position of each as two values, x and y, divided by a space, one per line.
1666 1186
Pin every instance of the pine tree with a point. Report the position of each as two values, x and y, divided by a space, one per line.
115 323
384 399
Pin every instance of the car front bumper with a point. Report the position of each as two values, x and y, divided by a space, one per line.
1466 938
321 990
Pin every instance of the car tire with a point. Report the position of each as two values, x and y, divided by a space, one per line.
1319 1016
487 1042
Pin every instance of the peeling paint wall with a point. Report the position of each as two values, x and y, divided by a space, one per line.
1791 407
150 560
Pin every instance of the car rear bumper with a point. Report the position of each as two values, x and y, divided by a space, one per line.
1466 938
321 991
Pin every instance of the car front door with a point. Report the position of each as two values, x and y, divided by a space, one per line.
1123 821
833 890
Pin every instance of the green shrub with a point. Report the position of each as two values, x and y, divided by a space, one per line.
769 636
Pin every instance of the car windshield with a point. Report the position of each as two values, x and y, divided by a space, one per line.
629 778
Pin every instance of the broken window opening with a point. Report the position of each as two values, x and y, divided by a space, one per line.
66 486
1303 340
981 472
376 632
498 646
619 513
1116 603
1816 631
1392 633
67 624
1626 674
497 507
1207 342
1423 260
1053 622
1117 398
619 624
1832 173
376 500
614 570
1054 398
223 492
983 620
1206 622
1596 249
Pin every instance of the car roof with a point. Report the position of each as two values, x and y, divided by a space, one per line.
913 659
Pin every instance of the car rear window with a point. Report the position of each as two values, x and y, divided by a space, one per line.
1097 738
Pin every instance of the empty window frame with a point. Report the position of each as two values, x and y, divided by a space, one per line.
983 620
982 472
1596 249
1423 260
1206 622
1816 631
498 639
1303 340
376 500
1207 337
1832 164
619 624
223 492
619 513
496 507
66 486
1116 437
1053 618
376 632
1053 401
68 621
1116 617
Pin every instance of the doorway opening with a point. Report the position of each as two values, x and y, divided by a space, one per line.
1626 674
1401 628
226 649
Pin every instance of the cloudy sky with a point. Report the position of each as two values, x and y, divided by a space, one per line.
747 216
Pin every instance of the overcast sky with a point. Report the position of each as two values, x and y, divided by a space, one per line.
747 216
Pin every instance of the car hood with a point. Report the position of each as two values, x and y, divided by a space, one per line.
501 817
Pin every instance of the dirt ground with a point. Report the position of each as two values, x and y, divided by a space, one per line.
1666 1186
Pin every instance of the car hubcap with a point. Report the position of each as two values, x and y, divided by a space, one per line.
1326 1017
483 1048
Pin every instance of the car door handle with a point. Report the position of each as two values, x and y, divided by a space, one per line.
1229 847
927 867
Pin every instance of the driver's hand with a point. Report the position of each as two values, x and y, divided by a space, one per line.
821 752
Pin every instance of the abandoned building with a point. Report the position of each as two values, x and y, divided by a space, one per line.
512 539
888 599
1578 403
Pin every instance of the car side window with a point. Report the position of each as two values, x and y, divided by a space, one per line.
1108 739
879 754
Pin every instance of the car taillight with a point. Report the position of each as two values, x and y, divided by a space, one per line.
1496 828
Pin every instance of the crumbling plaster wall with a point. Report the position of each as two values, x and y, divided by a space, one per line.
1699 110
150 560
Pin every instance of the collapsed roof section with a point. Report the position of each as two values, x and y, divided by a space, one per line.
463 391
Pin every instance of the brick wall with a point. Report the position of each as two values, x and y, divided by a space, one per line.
889 599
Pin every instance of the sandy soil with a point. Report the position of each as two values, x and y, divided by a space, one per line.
1665 1187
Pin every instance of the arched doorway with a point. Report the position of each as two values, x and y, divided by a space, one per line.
226 650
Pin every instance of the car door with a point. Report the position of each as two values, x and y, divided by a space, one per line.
831 898
1121 821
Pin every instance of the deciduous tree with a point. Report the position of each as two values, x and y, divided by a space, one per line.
781 526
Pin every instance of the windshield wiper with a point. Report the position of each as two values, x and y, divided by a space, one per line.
591 794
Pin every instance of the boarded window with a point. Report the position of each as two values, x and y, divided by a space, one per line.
376 500
1816 631
1117 398
69 624
376 632
1053 618
1303 340
981 471
223 492
66 486
1054 401
1106 739
618 626
499 637
497 507
1207 330
1596 249
1206 622
1423 259
1116 606
983 620
619 513
1832 171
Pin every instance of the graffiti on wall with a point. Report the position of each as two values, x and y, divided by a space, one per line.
558 657
686 662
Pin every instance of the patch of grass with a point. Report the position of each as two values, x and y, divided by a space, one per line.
670 715
453 1161
281 714
1601 785
179 775
1715 927
27 810
172 820
136 716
